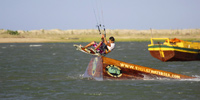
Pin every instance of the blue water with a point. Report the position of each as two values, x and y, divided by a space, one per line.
54 71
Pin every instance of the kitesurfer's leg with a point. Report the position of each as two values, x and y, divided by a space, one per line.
100 43
90 44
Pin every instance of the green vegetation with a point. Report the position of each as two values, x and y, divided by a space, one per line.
12 32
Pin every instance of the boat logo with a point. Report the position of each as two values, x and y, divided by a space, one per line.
113 71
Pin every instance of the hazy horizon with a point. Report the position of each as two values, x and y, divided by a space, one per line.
117 14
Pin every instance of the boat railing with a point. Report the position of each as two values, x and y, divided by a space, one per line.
181 43
159 39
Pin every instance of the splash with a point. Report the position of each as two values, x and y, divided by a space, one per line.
147 77
75 77
194 79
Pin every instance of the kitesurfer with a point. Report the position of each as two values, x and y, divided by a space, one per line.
104 46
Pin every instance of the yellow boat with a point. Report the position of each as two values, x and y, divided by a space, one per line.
174 50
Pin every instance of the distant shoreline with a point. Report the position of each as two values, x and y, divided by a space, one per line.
87 35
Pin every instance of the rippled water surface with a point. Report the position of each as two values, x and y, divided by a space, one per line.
54 71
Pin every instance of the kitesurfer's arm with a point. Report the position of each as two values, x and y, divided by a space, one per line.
105 41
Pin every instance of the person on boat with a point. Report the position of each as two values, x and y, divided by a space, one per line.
104 47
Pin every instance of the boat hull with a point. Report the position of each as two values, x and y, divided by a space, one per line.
104 68
170 53
175 56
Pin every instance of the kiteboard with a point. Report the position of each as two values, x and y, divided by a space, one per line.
87 50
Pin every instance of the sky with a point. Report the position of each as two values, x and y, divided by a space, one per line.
85 14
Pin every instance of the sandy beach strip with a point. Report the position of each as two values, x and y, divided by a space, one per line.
24 40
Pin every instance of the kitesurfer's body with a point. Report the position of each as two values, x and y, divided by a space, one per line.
104 46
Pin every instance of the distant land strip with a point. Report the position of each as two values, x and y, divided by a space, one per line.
87 35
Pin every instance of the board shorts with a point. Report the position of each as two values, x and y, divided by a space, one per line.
95 45
102 49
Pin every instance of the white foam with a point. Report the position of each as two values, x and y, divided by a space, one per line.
12 45
54 54
94 94
35 45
